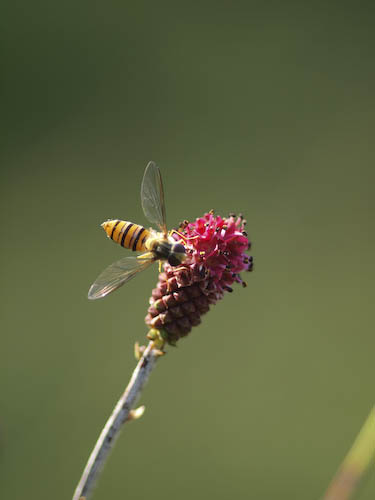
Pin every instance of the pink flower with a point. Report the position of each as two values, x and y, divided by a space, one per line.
216 255
219 245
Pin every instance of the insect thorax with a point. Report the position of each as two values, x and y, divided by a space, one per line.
159 245
163 249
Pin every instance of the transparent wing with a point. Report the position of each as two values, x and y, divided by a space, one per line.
117 274
152 196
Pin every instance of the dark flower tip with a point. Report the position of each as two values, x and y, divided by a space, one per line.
216 255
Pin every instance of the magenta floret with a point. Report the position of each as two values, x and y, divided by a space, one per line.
220 245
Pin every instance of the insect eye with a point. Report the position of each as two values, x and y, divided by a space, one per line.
173 260
178 248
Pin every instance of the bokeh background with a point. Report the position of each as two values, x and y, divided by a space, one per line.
265 108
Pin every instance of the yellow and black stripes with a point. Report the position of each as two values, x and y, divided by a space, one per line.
127 234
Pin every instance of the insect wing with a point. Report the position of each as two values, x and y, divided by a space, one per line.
116 275
152 197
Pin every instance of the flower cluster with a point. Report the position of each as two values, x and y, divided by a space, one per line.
216 254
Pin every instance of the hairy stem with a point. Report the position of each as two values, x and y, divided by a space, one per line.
111 431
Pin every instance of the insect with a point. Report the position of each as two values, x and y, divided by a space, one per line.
157 246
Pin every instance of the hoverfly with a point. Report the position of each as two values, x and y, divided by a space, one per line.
159 246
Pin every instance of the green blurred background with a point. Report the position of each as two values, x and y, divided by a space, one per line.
265 108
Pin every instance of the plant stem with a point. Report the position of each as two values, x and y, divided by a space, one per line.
355 464
120 414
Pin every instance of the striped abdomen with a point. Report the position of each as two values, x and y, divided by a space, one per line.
127 234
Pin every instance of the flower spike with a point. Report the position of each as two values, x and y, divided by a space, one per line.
216 255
